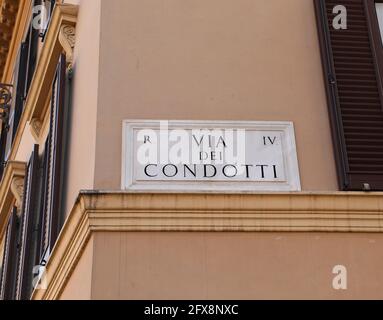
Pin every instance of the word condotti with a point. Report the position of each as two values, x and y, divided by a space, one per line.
211 171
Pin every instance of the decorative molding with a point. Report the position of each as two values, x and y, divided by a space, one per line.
35 106
5 101
17 188
10 191
67 38
36 126
5 95
208 212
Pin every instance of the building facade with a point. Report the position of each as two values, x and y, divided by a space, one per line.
82 218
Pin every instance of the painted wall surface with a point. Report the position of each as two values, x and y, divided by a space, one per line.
235 265
83 116
80 283
212 60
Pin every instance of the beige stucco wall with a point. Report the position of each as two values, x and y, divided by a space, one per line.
79 285
212 60
229 266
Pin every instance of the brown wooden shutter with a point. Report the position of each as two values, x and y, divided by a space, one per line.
29 222
8 277
54 161
354 94
57 147
44 225
20 87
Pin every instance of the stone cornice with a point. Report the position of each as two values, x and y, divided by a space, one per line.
208 212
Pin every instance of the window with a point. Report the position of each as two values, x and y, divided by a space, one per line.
22 77
32 233
36 223
29 222
52 219
352 64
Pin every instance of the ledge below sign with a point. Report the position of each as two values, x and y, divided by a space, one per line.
217 156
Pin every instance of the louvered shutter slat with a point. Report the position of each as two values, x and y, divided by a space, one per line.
44 225
57 150
354 94
53 163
